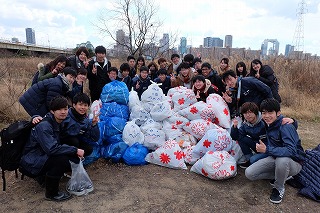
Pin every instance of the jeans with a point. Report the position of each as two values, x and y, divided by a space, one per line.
278 168
257 157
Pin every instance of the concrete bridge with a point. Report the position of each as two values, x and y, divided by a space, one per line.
12 46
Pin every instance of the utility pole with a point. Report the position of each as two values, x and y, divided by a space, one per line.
298 38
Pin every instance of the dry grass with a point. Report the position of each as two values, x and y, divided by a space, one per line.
299 83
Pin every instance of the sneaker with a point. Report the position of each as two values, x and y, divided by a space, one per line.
89 188
78 192
244 165
276 196
273 180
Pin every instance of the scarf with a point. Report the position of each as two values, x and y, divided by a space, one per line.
175 66
65 82
77 115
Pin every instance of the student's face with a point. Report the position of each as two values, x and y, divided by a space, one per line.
197 65
205 71
131 63
240 69
184 71
231 81
81 108
100 57
256 67
162 77
60 66
140 63
144 74
83 56
270 117
152 67
60 114
198 84
175 60
223 65
125 73
163 65
250 117
70 78
112 75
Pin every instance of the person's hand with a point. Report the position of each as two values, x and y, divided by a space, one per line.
226 97
94 69
80 153
36 120
55 71
235 122
198 94
172 78
95 118
287 121
257 75
261 147
137 85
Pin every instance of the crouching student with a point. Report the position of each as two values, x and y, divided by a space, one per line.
284 150
142 82
164 80
202 88
251 131
77 128
44 155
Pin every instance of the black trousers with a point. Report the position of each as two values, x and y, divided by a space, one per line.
57 165
74 141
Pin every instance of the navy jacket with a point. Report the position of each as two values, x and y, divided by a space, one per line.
267 76
98 80
37 98
216 82
165 86
144 84
43 143
253 90
284 141
73 126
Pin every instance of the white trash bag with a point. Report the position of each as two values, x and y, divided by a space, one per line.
199 127
221 110
95 108
154 138
217 165
214 140
199 110
168 155
132 133
161 111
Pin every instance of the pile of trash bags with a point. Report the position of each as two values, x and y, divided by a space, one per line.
171 131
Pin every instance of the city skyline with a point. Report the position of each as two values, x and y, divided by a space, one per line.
61 24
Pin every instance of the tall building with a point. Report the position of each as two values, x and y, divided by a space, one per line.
183 45
212 42
289 49
228 41
164 43
274 50
30 36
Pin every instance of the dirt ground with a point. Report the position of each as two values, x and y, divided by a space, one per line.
151 188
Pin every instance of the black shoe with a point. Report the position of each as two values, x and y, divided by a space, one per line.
61 196
276 196
245 165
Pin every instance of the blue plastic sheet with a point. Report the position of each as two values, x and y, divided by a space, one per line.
114 151
135 155
115 91
114 110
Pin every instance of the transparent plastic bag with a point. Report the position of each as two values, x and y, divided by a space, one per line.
79 183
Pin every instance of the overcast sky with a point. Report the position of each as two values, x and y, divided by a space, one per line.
65 23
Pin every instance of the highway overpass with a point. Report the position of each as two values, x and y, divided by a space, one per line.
11 46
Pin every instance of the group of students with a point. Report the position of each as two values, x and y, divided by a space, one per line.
59 136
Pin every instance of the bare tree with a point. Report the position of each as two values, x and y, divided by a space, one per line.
139 24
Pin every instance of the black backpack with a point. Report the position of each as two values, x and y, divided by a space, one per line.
13 141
